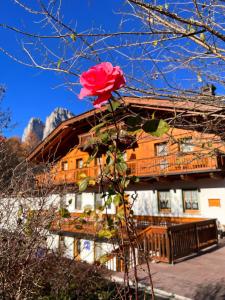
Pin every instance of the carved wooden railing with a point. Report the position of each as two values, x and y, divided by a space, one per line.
175 164
193 237
169 243
164 239
154 243
153 166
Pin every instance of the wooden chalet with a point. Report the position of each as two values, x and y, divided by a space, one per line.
181 193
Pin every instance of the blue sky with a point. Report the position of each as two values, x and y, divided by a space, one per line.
34 93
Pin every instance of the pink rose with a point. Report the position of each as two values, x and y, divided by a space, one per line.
101 80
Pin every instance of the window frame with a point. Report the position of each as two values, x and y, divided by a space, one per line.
98 251
102 201
165 210
77 249
191 209
77 163
182 143
75 204
63 164
162 143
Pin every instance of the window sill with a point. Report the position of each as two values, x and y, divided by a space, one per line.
192 211
165 211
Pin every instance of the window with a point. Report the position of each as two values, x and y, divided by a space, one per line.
98 161
61 243
164 202
186 145
79 163
99 251
190 199
78 202
64 166
98 200
77 249
161 149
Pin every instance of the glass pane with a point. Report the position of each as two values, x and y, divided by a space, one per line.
64 165
78 202
186 145
191 199
161 149
98 251
98 200
164 199
79 163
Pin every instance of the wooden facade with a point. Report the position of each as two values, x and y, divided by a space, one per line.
179 152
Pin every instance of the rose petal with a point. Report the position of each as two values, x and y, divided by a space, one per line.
84 93
102 99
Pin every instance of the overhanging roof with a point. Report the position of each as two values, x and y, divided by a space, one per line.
63 135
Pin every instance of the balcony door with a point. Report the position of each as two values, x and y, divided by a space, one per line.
79 168
161 150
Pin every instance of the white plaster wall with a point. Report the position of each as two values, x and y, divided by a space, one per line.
87 200
69 247
207 189
88 253
87 250
105 248
52 200
70 197
111 210
53 242
9 208
213 212
146 202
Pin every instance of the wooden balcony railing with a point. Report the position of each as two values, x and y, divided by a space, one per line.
169 243
174 164
153 166
71 176
164 239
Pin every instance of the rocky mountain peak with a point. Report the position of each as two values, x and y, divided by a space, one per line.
35 126
55 118
37 130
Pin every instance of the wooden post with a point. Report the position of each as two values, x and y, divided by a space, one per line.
197 238
169 246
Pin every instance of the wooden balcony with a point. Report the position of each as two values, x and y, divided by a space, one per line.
167 244
170 243
164 239
72 176
174 164
150 167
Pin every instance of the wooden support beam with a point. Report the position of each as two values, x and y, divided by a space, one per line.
216 176
186 177
162 179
